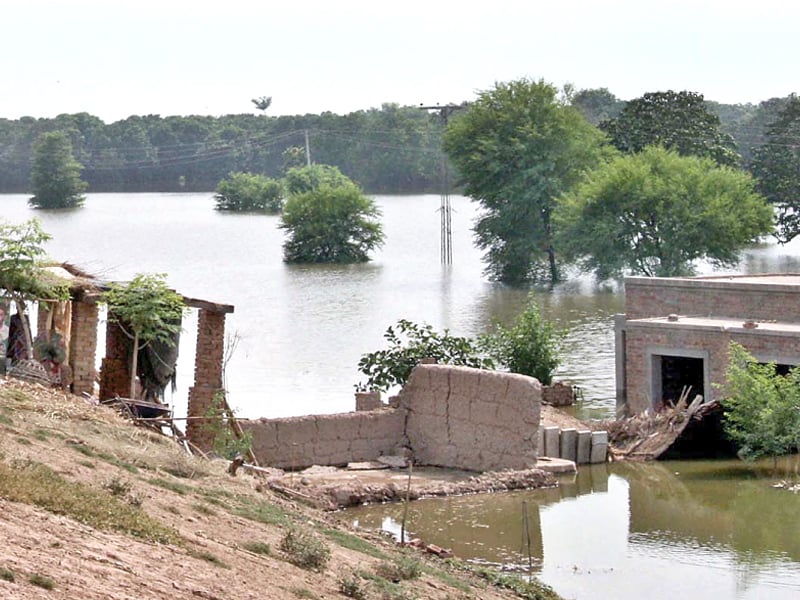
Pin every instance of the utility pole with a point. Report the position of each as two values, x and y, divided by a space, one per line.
308 150
446 245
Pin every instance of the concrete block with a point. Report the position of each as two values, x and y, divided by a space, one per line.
540 441
599 447
551 445
584 447
569 444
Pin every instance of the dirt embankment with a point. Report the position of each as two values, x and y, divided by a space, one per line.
92 507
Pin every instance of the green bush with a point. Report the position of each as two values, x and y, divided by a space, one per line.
305 550
248 192
409 343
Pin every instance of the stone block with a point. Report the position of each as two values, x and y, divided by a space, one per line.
569 444
551 442
584 454
599 447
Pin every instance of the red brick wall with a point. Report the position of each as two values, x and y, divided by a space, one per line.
207 375
83 346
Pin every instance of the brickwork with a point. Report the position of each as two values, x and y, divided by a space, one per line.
83 346
207 374
115 378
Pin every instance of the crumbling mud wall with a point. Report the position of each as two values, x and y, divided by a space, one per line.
471 419
453 417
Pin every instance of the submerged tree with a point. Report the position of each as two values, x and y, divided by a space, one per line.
56 175
147 311
243 192
518 148
655 212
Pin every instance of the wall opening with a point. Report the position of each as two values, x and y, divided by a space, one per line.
672 374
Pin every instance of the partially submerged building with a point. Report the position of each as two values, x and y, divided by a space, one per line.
676 332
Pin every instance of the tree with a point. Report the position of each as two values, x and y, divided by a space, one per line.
761 408
147 311
22 272
597 105
330 224
530 346
517 148
56 175
776 166
249 192
306 179
655 212
678 121
410 343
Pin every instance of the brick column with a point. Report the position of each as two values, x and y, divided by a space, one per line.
207 375
83 346
115 371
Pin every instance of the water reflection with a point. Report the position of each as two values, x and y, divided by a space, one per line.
659 530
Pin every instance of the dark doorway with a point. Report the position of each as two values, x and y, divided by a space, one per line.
678 372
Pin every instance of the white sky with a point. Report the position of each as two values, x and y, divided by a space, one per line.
116 58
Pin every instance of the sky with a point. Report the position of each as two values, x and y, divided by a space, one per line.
116 58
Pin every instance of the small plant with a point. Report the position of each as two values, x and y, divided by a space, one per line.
259 548
227 442
401 569
41 581
303 593
204 510
117 486
7 574
351 585
208 557
305 550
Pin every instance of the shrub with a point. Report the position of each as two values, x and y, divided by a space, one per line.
249 192
305 550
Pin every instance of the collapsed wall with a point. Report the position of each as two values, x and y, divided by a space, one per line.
454 417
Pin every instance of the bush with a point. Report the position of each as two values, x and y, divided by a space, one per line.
305 550
531 346
245 192
409 343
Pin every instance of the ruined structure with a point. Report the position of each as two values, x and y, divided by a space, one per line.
446 416
675 333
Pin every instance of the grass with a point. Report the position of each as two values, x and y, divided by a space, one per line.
304 593
7 574
41 581
528 590
203 509
305 550
260 511
37 484
351 585
402 568
353 542
172 486
5 419
208 557
258 548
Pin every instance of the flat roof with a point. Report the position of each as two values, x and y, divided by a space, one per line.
723 324
786 282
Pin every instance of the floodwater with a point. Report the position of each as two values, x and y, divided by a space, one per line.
688 530
691 530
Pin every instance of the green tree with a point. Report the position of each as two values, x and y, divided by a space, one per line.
306 179
22 272
776 166
242 192
530 346
655 212
56 175
410 343
678 121
762 408
147 311
597 105
518 148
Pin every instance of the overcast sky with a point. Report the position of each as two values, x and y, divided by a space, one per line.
116 58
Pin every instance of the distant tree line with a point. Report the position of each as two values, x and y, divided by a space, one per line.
392 149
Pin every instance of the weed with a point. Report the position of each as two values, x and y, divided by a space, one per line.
203 509
41 581
41 434
6 574
259 548
172 509
351 585
117 487
24 441
401 569
88 464
208 557
5 419
263 512
353 542
305 550
82 448
528 590
304 593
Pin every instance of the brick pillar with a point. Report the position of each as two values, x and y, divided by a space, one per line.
207 375
83 346
115 371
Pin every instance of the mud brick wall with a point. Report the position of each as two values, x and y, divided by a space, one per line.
472 419
115 378
298 442
720 297
207 375
83 346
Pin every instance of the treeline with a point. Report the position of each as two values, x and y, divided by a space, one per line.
394 149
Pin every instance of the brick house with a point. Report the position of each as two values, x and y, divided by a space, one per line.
676 332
